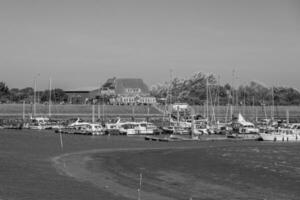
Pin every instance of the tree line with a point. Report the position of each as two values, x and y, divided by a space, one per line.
26 95
200 89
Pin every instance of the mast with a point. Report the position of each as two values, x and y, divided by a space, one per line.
287 116
236 92
170 88
34 95
93 113
99 102
50 96
170 96
244 103
233 94
133 111
273 105
103 111
218 98
34 98
252 102
207 111
23 110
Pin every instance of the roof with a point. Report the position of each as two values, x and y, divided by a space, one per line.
83 89
122 84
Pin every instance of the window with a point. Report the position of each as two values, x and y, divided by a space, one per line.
133 90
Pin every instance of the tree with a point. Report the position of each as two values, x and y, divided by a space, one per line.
4 92
191 90
57 96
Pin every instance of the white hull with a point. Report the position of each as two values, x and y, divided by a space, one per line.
37 127
127 131
279 137
250 136
145 132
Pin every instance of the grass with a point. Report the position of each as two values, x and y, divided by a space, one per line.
221 112
74 110
250 113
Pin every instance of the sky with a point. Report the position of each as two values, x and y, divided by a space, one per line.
83 43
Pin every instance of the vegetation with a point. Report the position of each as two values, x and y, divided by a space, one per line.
193 90
16 95
76 110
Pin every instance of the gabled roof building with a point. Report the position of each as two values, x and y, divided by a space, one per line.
127 91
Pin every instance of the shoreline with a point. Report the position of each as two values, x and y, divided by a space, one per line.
35 167
74 165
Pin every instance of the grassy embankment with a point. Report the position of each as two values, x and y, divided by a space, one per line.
62 111
250 113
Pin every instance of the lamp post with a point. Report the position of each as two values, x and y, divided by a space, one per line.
34 94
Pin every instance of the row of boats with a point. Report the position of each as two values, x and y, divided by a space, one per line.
195 127
79 126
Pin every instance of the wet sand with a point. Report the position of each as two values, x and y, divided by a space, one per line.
34 167
219 170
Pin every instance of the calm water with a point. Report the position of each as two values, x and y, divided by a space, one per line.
232 171
97 168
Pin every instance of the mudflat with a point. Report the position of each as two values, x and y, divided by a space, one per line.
33 166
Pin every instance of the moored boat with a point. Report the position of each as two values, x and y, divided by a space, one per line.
280 135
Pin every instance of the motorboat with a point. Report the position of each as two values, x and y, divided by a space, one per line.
95 129
200 127
242 129
128 128
78 122
281 135
37 123
145 128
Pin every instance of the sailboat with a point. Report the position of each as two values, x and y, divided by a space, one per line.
243 129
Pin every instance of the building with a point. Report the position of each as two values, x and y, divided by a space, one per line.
127 91
80 95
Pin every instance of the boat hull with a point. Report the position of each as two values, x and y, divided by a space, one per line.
280 137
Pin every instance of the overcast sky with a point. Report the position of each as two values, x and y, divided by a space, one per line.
83 43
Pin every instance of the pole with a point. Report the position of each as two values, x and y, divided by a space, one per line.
34 98
133 111
141 177
287 116
178 116
103 111
61 141
140 187
148 113
218 99
99 102
93 113
50 97
35 94
207 111
273 104
253 107
232 88
23 110
170 87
